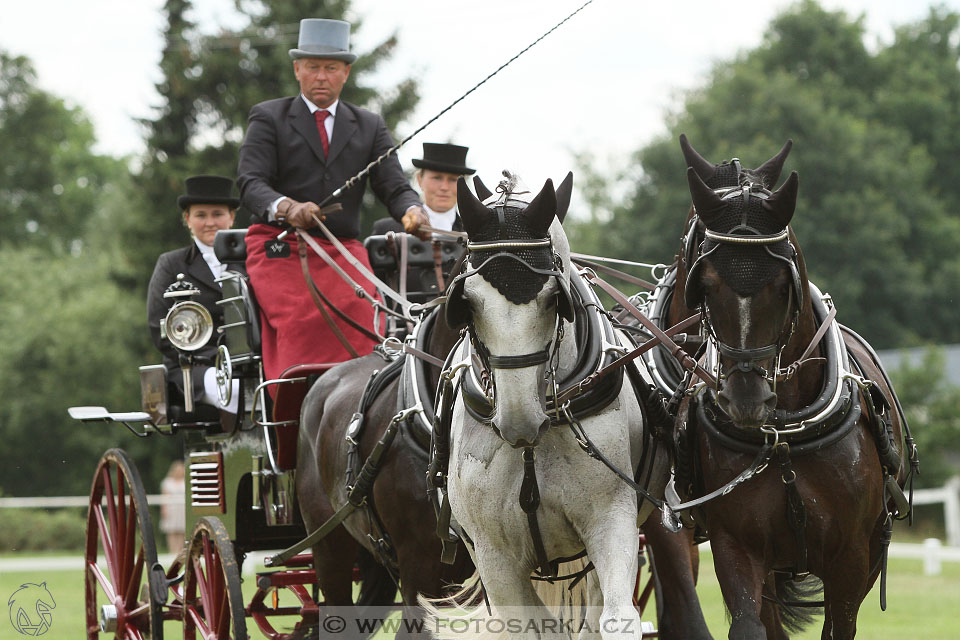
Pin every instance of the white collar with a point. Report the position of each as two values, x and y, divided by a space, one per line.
452 210
314 108
206 250
442 219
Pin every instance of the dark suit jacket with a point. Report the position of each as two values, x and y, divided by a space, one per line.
281 155
189 262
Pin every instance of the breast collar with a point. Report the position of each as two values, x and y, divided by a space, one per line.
597 346
827 419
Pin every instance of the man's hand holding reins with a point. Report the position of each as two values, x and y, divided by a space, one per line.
298 214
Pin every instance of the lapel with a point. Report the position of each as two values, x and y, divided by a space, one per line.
344 126
306 125
198 269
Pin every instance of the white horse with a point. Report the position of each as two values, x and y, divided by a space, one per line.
515 297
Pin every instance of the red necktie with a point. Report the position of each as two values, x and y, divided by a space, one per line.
321 115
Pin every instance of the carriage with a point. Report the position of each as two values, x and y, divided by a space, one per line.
240 488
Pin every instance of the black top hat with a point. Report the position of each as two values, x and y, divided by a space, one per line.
448 158
208 190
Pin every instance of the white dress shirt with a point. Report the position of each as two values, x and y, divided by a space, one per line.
216 267
442 219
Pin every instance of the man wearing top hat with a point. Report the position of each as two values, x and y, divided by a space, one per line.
297 150
208 206
437 174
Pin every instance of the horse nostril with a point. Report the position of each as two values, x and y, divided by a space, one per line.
770 401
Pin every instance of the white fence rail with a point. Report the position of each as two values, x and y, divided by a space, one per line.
73 501
949 495
932 551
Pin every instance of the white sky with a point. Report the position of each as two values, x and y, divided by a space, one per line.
602 82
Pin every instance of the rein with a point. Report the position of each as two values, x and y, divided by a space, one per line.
676 350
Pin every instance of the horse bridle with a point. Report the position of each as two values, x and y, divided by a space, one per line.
745 359
455 296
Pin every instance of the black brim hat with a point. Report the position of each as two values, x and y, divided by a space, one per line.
208 190
448 158
322 38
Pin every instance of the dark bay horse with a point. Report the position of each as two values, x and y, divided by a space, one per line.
676 554
399 513
823 426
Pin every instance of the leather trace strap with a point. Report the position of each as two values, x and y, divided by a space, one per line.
438 265
670 519
529 503
616 273
675 350
791 369
591 381
356 264
321 301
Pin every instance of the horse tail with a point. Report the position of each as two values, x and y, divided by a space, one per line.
798 601
466 608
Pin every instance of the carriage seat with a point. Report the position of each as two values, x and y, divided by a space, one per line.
286 407
384 254
242 317
229 245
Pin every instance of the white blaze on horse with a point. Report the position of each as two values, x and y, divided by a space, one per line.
519 483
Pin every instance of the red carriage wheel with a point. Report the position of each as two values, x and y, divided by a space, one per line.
120 569
212 598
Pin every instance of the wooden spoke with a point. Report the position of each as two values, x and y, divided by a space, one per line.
119 551
211 595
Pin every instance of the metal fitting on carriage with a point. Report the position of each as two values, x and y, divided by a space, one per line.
256 471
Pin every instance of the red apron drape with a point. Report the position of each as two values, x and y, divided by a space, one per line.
293 330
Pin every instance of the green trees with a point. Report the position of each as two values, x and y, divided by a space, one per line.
50 179
933 410
873 133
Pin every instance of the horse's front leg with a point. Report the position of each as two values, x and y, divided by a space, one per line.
676 562
519 612
612 546
741 576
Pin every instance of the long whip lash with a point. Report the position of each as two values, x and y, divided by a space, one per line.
352 181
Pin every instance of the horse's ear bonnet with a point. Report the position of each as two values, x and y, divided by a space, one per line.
482 192
456 308
722 214
707 204
538 215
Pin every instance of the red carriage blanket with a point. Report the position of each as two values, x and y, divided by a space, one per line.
293 329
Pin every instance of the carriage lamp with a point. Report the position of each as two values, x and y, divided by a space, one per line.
188 325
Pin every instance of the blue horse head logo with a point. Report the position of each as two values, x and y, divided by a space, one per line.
30 607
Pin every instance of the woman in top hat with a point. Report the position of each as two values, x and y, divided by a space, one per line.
437 174
208 206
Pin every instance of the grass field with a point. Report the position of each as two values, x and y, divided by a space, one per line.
918 606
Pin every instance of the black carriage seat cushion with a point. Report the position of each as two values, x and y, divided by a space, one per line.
421 276
229 245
